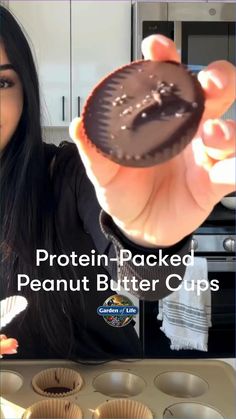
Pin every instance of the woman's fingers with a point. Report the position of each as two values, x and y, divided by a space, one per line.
218 79
8 346
219 138
99 169
3 337
214 150
222 175
159 48
219 83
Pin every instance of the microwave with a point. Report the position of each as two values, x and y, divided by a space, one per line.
203 32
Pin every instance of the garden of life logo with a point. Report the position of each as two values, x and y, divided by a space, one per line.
117 310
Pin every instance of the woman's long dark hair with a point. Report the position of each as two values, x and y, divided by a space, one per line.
26 217
56 321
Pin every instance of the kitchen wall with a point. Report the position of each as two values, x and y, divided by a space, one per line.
56 135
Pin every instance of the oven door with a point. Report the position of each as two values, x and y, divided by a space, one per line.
222 332
221 342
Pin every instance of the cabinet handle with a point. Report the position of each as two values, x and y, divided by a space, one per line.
63 108
78 105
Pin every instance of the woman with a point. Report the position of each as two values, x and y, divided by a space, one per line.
48 202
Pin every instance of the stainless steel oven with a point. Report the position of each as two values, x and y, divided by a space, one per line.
203 32
214 240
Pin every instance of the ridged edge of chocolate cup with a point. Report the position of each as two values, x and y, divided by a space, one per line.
165 152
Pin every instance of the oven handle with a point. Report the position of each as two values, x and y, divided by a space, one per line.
221 266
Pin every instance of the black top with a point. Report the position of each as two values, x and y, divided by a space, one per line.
78 229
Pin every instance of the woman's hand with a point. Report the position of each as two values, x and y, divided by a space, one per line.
160 205
8 346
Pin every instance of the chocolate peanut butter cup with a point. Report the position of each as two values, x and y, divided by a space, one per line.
143 113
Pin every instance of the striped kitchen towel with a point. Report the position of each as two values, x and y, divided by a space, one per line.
186 314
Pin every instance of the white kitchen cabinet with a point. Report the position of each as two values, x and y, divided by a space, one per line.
101 42
47 24
75 44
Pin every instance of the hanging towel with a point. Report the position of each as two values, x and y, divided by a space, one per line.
186 315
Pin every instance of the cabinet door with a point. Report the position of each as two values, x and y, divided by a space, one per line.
47 25
101 41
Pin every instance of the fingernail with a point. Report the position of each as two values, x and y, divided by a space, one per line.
158 38
72 125
146 44
208 127
215 76
215 127
225 129
162 40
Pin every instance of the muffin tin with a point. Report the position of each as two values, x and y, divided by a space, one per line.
168 389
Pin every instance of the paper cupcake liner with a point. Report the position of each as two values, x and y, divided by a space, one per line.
10 308
55 409
47 382
122 408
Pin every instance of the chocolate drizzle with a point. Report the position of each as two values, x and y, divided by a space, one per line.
166 104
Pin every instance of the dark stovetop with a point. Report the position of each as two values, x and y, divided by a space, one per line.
221 214
220 221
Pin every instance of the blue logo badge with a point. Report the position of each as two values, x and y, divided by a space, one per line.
117 310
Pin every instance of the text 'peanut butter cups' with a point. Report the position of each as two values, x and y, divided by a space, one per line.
144 113
57 382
